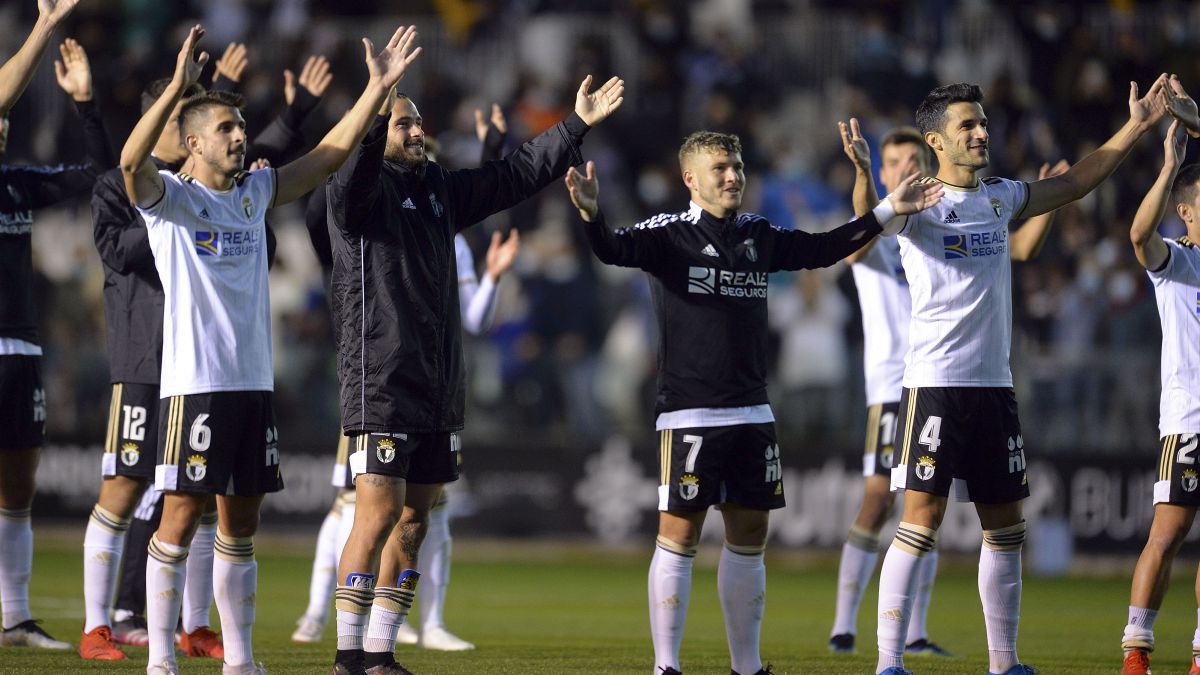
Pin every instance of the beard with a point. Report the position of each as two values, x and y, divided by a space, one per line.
400 153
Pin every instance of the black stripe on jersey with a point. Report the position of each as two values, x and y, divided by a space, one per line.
1025 203
992 180
1165 261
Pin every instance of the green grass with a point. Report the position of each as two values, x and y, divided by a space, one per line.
545 608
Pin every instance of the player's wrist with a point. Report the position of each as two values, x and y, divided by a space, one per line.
884 211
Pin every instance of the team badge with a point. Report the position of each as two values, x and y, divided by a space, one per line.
196 469
996 208
437 206
1189 481
689 486
751 252
247 207
385 450
925 468
130 454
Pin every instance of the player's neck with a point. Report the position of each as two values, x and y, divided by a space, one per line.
213 180
957 176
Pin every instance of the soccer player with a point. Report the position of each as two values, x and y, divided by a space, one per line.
958 426
207 233
22 398
1174 269
392 219
708 270
885 303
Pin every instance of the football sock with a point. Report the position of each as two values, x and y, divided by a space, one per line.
325 563
926 573
235 582
435 568
742 587
165 568
1139 632
16 564
859 555
352 604
103 542
346 524
198 586
1000 591
670 587
897 585
391 605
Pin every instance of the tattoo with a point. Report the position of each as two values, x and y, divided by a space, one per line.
376 480
411 533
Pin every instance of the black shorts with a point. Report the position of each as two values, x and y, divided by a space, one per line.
962 439
1178 477
131 444
221 443
342 478
703 466
881 439
22 402
426 459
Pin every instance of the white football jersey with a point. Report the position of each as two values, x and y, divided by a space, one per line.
210 249
886 310
1177 290
956 260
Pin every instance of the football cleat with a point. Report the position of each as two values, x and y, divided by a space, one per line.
131 631
1194 670
202 642
388 667
669 671
244 669
348 662
97 645
1137 662
1019 669
765 670
442 640
407 635
308 630
924 647
164 668
842 643
30 634
896 670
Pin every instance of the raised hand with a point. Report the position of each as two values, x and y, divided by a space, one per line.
910 197
231 64
501 255
1047 171
187 68
855 146
389 64
584 190
1174 147
595 107
260 163
1149 109
314 78
73 72
1181 106
497 120
55 11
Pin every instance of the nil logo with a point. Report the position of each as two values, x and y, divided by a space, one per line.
39 405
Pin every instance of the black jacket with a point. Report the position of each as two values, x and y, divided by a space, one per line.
395 279
708 278
25 188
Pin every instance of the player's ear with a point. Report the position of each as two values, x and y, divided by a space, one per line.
1184 211
934 140
689 179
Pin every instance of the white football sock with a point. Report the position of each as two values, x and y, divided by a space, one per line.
1139 632
235 582
670 590
103 542
346 524
390 607
1000 591
198 587
16 564
859 555
742 587
325 564
352 605
917 628
897 584
166 565
435 568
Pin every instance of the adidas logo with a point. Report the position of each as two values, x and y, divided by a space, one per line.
951 217
408 204
204 213
708 250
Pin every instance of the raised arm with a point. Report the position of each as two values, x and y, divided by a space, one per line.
642 248
1144 113
1025 243
864 197
385 68
1181 106
284 136
142 182
17 71
477 298
1148 244
491 132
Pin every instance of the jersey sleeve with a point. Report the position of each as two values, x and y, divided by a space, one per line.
466 261
1177 267
1013 196
162 210
261 186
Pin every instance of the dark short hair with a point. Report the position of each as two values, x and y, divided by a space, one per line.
1185 187
708 141
198 106
156 88
931 114
902 135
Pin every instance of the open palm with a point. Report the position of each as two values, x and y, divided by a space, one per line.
1181 106
56 10
584 189
187 67
73 73
1149 108
595 107
910 197
854 145
389 64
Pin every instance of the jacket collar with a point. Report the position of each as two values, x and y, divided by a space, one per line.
697 214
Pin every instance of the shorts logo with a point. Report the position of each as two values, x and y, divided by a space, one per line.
207 243
689 486
885 456
996 208
130 454
925 468
39 405
247 207
1016 454
774 470
1189 481
196 469
702 280
385 450
750 251
955 246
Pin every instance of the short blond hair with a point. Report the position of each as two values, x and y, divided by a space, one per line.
708 141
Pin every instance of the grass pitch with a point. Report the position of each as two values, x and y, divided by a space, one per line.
546 608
